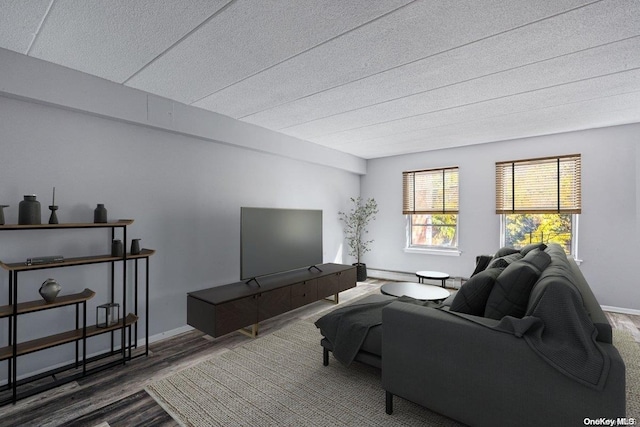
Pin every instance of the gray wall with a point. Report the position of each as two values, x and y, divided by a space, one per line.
608 226
184 193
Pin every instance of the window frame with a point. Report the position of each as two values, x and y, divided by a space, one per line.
431 249
568 196
442 201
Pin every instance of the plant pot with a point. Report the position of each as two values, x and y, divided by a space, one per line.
361 271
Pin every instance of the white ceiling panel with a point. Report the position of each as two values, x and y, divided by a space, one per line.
370 78
114 39
412 33
19 22
496 123
541 75
552 121
501 124
421 126
249 37
527 45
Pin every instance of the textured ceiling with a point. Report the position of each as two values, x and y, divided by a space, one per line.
370 78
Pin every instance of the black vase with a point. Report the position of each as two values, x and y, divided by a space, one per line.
29 211
135 246
116 248
2 213
361 271
100 214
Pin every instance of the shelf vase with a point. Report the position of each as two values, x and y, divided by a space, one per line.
135 246
100 214
49 290
29 211
2 213
117 248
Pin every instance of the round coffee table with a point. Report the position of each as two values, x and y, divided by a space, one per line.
414 290
433 275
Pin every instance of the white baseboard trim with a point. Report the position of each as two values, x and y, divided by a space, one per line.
404 276
167 334
621 310
391 275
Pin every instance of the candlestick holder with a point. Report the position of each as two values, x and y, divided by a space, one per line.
53 219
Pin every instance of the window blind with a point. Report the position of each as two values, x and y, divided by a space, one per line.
543 185
432 191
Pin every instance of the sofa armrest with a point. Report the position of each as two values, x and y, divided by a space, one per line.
482 376
482 261
599 319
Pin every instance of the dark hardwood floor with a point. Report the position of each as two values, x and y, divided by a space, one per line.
116 396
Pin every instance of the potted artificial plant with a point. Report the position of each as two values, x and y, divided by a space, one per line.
355 227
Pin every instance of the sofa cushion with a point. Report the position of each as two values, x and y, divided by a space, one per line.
504 261
472 296
525 250
505 251
510 294
449 300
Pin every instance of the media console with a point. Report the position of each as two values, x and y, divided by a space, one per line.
223 309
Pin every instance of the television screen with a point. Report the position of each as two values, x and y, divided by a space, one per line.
277 240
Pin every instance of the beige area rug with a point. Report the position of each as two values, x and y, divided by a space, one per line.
279 380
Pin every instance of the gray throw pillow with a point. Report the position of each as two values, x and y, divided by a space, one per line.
525 250
472 296
504 261
510 294
505 251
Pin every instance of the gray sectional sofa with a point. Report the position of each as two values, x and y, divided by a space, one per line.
524 342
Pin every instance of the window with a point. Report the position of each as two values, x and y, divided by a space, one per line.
539 201
519 230
430 201
434 230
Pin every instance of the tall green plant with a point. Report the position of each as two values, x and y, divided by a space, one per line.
355 225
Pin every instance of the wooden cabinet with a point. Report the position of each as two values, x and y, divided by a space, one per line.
304 293
273 303
329 285
234 315
333 284
127 326
222 309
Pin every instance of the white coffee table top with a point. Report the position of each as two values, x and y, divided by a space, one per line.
432 275
414 290
435 275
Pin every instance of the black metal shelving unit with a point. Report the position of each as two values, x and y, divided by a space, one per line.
127 325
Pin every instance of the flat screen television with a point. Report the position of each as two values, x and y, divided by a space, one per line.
278 240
